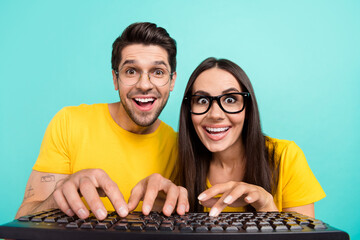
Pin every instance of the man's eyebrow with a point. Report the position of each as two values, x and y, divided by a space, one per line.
130 61
160 63
127 62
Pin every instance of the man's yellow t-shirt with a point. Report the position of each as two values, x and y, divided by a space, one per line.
297 185
86 137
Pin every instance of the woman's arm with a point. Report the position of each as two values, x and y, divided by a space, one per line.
307 210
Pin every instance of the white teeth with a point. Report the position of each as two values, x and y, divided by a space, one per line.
144 100
217 129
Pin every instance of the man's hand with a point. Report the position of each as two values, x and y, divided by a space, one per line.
91 184
148 189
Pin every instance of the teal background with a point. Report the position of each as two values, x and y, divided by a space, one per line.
303 58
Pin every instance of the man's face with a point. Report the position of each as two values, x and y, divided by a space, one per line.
143 101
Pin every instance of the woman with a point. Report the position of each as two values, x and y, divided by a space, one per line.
225 161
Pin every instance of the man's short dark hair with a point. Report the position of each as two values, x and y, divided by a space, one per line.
144 33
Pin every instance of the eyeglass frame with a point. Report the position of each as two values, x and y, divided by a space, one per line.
246 95
148 74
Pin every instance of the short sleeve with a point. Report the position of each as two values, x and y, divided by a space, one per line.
299 185
54 155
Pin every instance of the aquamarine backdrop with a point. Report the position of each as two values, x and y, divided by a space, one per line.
303 58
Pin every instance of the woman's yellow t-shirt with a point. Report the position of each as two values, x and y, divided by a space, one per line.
297 185
86 137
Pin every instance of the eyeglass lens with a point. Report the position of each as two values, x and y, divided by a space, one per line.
131 75
233 102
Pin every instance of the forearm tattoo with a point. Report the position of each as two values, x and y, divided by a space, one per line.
29 192
48 178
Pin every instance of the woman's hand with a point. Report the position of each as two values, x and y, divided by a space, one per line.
236 194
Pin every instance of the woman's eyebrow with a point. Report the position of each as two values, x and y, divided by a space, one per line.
200 92
232 89
229 90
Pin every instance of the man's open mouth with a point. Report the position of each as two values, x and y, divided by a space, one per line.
144 102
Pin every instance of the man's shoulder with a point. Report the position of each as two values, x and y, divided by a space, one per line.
81 113
85 108
164 128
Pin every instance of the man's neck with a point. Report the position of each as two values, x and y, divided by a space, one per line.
120 116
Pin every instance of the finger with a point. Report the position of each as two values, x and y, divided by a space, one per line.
172 194
218 206
62 203
89 192
137 194
215 190
183 202
209 203
152 188
252 197
112 191
72 197
236 196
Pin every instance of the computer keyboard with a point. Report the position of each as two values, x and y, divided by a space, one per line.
54 224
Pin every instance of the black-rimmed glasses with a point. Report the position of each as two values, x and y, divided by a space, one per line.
229 102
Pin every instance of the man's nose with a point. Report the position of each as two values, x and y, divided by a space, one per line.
144 82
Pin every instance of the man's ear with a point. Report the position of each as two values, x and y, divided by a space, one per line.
172 81
115 81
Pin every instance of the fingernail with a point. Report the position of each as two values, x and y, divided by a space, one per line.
123 211
69 212
100 213
248 198
182 208
227 199
169 209
202 196
147 209
213 212
81 213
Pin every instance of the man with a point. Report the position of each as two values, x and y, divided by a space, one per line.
92 151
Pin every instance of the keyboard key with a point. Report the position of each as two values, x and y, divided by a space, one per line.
151 227
51 219
88 225
186 228
121 226
137 226
266 228
65 219
317 226
26 218
216 228
280 227
38 218
73 225
103 225
231 228
166 227
294 227
201 228
250 228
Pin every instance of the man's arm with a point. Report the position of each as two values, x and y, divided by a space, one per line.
47 190
38 192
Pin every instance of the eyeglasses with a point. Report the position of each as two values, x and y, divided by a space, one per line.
129 75
229 102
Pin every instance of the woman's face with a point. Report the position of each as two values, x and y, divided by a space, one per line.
218 130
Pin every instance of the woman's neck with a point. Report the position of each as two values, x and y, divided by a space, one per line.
228 165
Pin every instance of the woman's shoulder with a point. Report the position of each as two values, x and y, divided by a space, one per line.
281 145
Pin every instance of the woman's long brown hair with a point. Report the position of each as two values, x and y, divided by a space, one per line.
194 157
